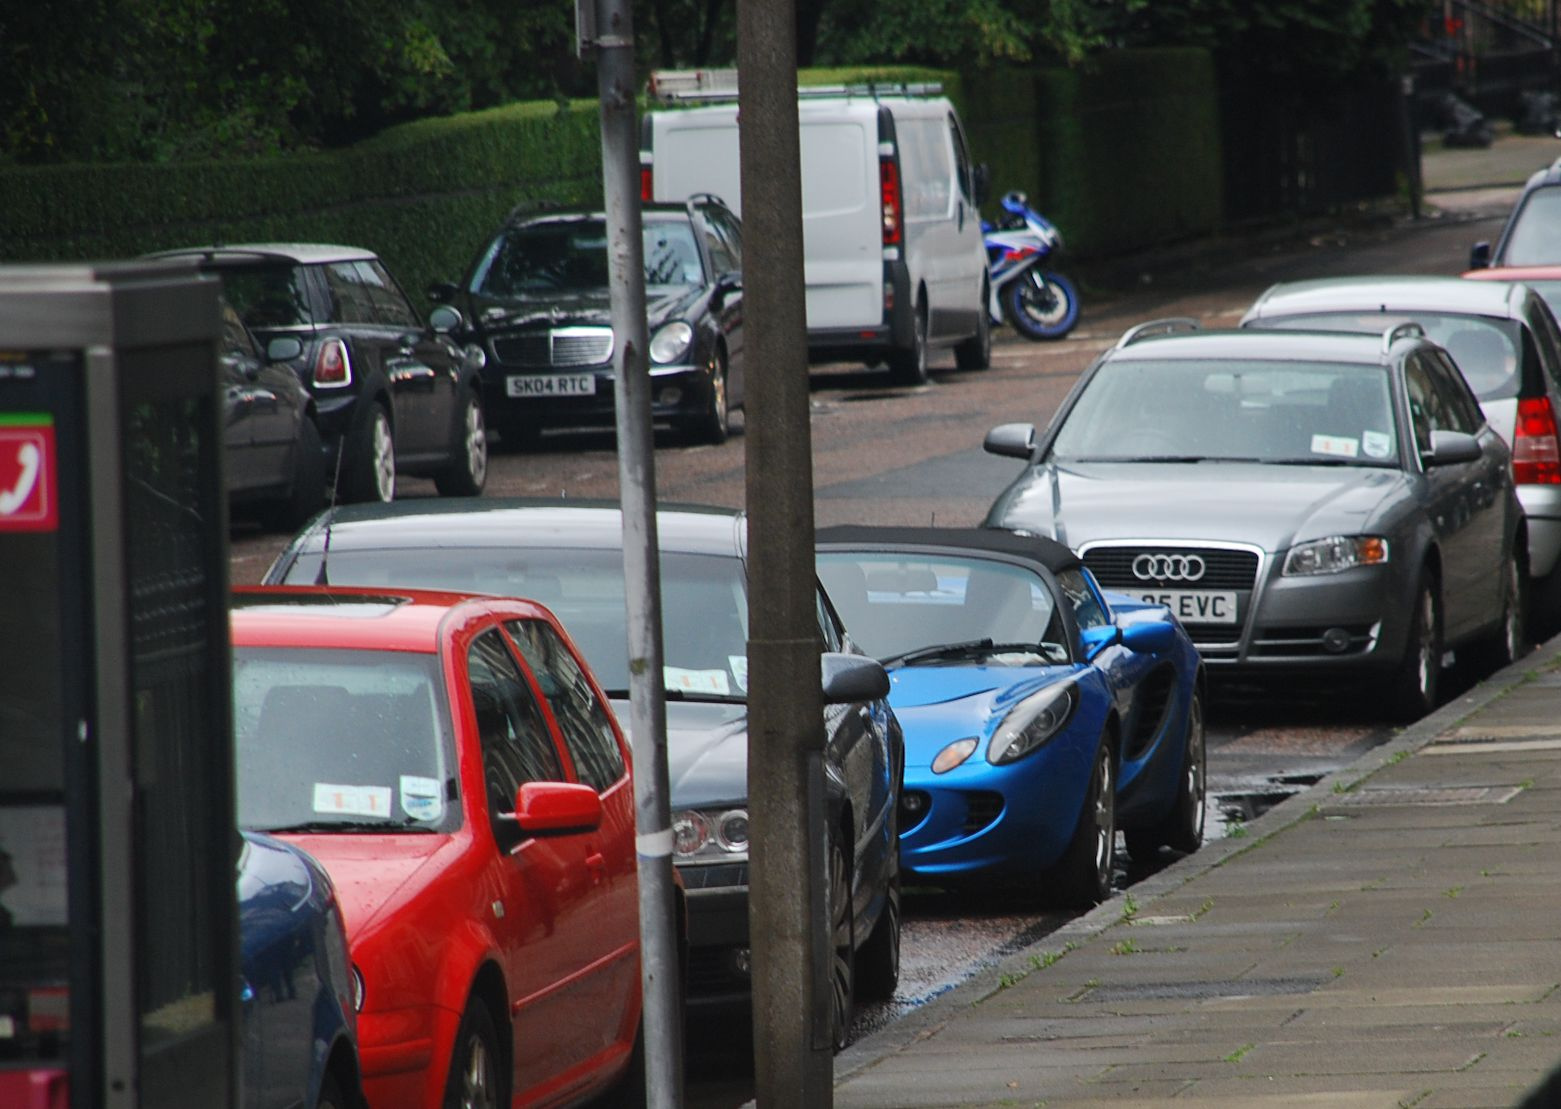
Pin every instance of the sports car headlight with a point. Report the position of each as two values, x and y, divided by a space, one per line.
1336 553
954 755
671 343
1031 723
710 834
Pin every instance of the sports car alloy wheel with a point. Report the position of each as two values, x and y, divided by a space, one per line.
1083 875
1182 828
842 960
878 963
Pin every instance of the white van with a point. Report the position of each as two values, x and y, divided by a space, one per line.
892 246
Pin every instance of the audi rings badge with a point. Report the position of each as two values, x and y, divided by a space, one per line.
1168 567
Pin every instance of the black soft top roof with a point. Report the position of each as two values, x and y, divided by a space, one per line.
1034 548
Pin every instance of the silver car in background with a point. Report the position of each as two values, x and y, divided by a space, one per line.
1505 340
1308 504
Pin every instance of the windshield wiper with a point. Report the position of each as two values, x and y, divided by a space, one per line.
1144 458
684 695
405 825
958 650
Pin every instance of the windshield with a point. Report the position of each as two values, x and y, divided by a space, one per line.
897 604
1297 413
704 603
539 260
1535 239
337 738
1485 348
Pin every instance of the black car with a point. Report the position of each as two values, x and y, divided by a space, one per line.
536 304
271 445
570 557
1532 233
393 394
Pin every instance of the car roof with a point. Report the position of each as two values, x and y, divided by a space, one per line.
1394 293
1032 548
1269 344
527 218
516 522
304 254
356 618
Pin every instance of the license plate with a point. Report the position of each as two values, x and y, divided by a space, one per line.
1197 606
551 385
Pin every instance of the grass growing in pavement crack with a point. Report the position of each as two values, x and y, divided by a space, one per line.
1425 915
1236 1056
1452 892
1472 1063
1126 947
1129 907
1201 909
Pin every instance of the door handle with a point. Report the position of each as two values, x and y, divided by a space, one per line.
596 863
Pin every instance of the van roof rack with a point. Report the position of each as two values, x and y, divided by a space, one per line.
681 85
1166 326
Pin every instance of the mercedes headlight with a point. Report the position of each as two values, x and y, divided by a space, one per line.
671 343
710 834
1031 723
1336 553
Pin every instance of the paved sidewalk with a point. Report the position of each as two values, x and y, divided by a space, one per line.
1390 937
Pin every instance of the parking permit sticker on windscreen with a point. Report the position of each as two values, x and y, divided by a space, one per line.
1376 444
697 681
1338 446
345 800
739 665
421 798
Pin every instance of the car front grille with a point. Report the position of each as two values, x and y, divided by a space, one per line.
981 809
561 346
1307 642
1223 569
715 971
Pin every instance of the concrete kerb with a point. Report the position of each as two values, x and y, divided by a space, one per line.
932 1016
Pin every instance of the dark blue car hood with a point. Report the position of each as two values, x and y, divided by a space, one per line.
939 704
707 752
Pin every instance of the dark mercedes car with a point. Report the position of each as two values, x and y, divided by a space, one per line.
570 558
1307 503
394 394
535 301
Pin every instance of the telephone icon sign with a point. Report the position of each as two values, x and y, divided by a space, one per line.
29 499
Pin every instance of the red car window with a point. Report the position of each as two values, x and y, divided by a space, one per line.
587 730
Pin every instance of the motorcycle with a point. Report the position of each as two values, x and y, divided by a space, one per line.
1040 303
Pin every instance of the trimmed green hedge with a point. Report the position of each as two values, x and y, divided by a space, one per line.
1121 155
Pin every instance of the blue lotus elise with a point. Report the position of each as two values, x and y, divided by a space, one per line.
1040 713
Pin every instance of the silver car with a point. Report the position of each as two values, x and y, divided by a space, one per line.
1507 343
1308 504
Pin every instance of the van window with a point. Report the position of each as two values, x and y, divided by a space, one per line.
925 168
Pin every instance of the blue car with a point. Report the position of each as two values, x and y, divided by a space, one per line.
299 1020
1040 713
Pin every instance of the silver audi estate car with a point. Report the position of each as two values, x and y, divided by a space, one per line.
1307 503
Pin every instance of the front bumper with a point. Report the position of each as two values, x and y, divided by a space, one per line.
718 960
675 391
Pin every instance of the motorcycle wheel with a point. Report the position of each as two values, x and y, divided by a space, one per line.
1041 309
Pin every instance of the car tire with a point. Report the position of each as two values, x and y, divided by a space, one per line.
842 945
307 493
477 1079
1082 876
468 469
1182 828
1412 690
714 423
371 461
975 353
1508 642
878 962
331 1095
909 366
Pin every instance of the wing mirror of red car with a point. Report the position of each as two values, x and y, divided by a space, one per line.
556 808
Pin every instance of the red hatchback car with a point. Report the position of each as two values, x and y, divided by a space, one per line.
457 770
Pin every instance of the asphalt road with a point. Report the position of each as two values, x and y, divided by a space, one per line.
892 455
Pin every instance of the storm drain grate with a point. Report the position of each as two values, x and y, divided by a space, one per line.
1205 991
1428 795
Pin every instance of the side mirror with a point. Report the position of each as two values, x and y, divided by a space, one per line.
1450 447
1011 441
1149 637
556 809
848 678
284 348
1480 255
445 319
1097 639
729 282
442 292
981 183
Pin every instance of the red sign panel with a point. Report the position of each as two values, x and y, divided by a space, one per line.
29 491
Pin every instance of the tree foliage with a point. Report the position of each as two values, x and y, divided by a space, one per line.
155 80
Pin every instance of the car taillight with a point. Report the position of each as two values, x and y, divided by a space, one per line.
331 365
647 180
1536 454
889 191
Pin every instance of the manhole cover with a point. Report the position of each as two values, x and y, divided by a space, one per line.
1427 795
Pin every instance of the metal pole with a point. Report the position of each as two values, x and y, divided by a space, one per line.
659 970
788 915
